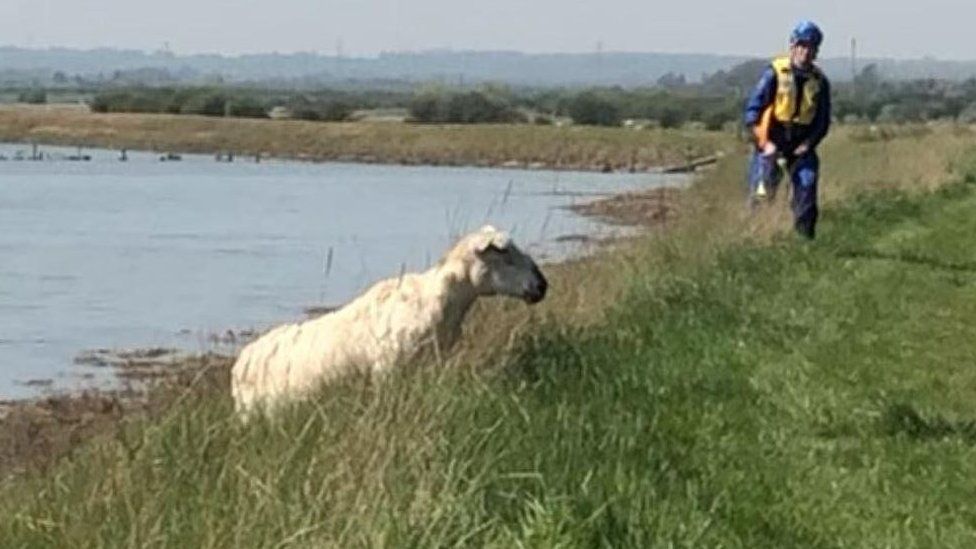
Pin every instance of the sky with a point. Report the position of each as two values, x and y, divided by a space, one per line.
882 28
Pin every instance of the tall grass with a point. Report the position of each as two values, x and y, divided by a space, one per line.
744 390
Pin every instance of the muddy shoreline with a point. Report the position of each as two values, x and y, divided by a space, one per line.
33 145
35 433
648 208
688 165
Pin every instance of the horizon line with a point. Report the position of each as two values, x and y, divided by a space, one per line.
448 50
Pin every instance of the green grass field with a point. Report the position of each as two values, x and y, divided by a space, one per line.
756 393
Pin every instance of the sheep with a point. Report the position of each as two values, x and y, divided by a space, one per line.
392 323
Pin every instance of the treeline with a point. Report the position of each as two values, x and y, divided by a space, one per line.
326 105
480 106
642 106
871 98
598 106
714 103
485 104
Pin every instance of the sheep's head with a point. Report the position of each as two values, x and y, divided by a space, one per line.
498 266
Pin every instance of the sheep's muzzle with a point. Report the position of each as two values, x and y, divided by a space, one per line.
537 291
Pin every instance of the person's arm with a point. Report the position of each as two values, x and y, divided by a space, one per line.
821 120
760 97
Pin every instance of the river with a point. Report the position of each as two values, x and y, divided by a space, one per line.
151 253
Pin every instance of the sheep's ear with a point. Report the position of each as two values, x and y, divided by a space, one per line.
491 239
501 240
481 242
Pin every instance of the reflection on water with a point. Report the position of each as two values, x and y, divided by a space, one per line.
105 253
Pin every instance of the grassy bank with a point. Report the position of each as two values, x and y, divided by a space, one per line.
715 384
585 148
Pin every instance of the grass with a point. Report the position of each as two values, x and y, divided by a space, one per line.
729 387
475 145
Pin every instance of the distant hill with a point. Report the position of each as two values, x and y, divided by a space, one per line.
18 65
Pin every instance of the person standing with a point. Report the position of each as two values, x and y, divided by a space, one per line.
788 113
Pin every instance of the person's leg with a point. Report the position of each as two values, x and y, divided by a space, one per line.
755 173
805 172
763 168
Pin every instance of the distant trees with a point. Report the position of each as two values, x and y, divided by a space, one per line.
157 100
200 101
666 109
672 80
968 114
324 105
488 105
737 79
871 98
323 111
595 109
206 104
34 96
715 102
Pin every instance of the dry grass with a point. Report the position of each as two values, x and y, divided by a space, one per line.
914 159
858 159
583 148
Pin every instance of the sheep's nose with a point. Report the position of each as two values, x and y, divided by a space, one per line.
541 285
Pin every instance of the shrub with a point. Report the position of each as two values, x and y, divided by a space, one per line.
325 112
336 111
426 107
208 104
595 110
34 97
246 108
471 107
716 120
672 117
968 114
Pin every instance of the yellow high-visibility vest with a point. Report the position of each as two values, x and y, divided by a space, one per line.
785 107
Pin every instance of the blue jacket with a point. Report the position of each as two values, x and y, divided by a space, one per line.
787 140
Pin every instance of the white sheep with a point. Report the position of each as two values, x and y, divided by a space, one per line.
393 322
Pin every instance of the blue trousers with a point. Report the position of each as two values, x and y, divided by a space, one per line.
804 172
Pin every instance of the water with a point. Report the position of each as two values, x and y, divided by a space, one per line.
110 254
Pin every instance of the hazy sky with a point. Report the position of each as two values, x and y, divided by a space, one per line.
941 28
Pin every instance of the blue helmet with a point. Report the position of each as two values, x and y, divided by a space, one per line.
807 32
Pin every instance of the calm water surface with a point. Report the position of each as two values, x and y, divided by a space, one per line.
110 254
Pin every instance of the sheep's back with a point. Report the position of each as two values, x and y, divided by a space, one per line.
377 330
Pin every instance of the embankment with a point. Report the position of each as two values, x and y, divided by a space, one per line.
507 145
714 384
